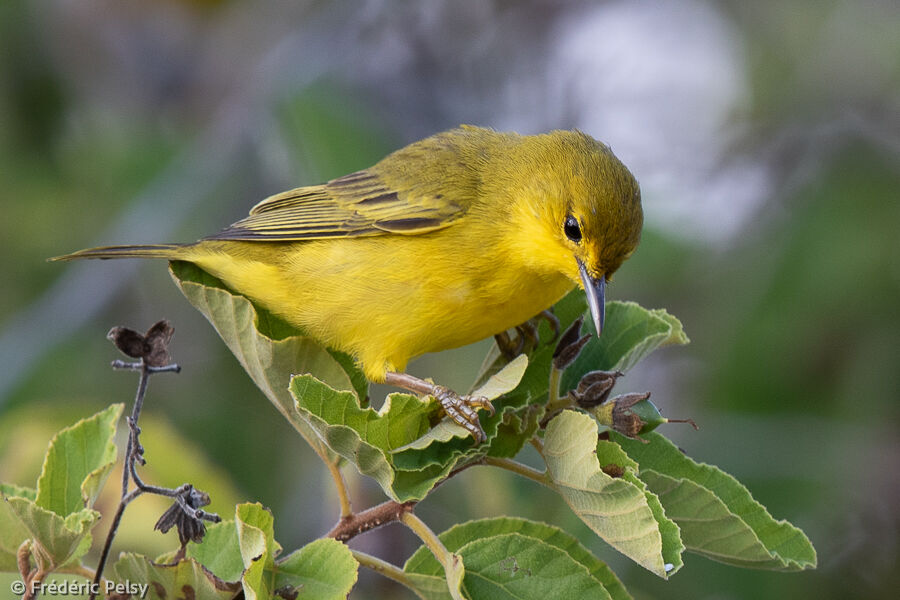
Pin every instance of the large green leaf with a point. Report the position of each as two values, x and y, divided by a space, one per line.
77 463
57 517
615 508
717 515
322 570
220 551
54 540
270 350
457 537
515 566
185 579
400 445
366 437
630 333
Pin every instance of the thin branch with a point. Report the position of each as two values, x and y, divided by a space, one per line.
385 568
186 514
386 512
519 469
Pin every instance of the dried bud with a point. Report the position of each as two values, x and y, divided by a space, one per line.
570 345
594 388
190 527
151 347
156 343
128 341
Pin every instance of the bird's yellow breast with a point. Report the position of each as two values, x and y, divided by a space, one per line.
387 299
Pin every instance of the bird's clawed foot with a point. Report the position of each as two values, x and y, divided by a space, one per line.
463 410
527 337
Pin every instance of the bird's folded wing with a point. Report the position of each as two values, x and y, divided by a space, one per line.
358 204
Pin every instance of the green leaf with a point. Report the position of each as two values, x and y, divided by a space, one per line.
516 566
423 562
610 453
504 380
12 531
185 579
717 515
322 570
365 437
616 509
255 532
269 349
55 540
11 490
516 427
77 463
630 333
220 551
57 517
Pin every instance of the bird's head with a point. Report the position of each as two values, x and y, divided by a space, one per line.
578 212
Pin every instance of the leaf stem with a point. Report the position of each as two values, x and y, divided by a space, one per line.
518 468
341 485
452 563
429 537
385 568
553 387
555 403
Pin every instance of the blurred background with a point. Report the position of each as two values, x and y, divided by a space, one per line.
765 135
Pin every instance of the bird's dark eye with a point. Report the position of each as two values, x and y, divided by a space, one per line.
573 231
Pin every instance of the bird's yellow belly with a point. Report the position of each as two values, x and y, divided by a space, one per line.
379 299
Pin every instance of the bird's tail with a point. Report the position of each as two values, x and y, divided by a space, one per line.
169 251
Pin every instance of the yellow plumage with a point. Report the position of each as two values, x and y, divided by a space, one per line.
449 240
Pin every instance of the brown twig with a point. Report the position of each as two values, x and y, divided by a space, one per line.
386 512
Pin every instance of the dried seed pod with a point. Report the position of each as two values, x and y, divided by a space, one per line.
570 344
151 347
633 414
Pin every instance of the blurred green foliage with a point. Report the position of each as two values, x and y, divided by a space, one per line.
792 371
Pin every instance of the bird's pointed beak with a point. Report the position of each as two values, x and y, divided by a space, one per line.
596 296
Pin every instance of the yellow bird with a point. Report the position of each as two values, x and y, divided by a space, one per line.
454 238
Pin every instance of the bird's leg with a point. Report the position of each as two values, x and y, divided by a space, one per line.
552 321
461 409
508 347
527 338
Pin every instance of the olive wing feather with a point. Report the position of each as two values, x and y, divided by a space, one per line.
358 204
